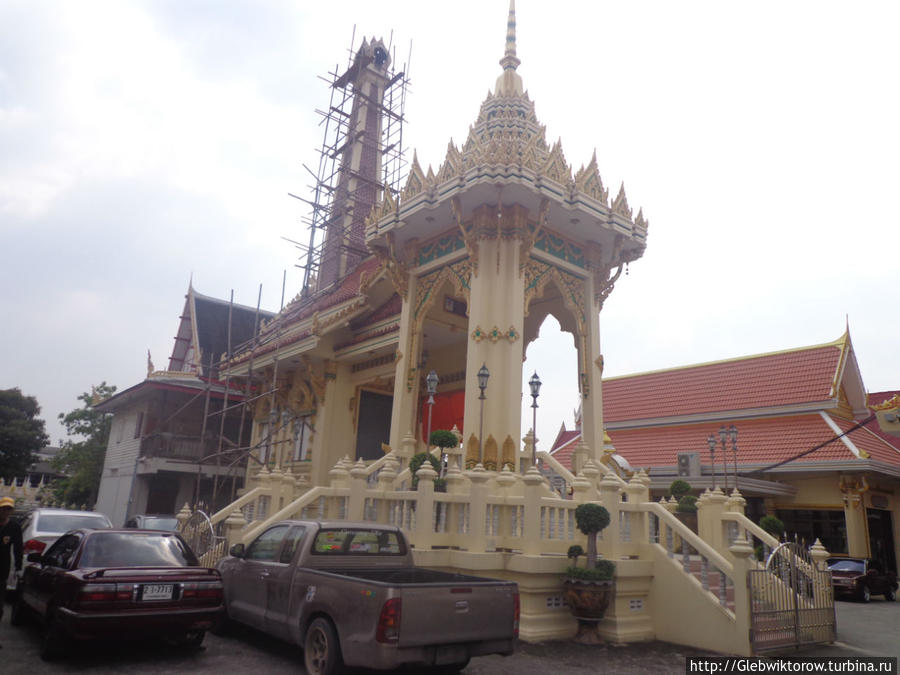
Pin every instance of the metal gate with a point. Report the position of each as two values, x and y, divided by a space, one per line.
791 601
200 535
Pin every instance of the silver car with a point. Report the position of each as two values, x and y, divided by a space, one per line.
42 527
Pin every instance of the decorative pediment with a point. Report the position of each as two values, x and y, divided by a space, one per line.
620 205
588 181
556 168
640 221
452 166
415 182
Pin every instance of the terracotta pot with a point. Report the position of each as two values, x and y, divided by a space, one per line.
588 600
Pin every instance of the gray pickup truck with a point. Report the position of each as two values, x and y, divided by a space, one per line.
349 594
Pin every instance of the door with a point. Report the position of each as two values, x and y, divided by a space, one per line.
278 585
247 587
881 539
373 424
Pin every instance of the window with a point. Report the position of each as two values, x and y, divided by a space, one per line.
826 525
291 543
138 424
302 433
60 554
265 546
358 542
136 549
264 442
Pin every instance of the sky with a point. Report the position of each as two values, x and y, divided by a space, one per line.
145 145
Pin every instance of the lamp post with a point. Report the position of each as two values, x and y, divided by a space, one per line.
431 383
723 435
732 432
711 442
483 375
535 384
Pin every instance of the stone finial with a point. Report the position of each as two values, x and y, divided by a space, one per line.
478 475
819 554
359 471
533 476
506 479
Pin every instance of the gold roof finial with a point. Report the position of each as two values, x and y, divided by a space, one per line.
510 82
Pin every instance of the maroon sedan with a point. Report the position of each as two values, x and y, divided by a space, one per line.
114 584
861 578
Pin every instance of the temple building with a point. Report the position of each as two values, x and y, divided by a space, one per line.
455 274
807 447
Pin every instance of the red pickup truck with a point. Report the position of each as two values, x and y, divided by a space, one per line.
349 594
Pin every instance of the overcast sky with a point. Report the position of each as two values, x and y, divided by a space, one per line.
145 143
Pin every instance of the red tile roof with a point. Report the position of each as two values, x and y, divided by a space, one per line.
761 441
769 380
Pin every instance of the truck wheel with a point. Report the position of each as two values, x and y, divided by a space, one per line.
321 651
890 595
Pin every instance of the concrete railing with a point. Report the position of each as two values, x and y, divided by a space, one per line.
515 526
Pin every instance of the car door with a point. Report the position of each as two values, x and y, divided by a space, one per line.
278 584
46 582
246 591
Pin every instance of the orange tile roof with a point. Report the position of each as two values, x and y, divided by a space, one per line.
764 381
761 441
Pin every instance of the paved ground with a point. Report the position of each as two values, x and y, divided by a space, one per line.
863 630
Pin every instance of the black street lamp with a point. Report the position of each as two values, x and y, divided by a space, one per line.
732 432
431 383
711 442
722 434
483 375
535 384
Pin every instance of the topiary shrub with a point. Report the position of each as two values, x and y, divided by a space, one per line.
591 519
417 461
603 571
687 504
443 439
574 553
679 488
772 525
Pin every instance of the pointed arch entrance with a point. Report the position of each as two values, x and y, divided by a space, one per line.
553 342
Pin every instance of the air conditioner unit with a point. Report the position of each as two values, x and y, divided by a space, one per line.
688 464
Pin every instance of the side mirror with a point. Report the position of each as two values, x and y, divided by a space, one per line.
34 557
237 550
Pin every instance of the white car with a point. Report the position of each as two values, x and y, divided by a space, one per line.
42 527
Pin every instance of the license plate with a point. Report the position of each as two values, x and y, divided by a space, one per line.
450 654
157 592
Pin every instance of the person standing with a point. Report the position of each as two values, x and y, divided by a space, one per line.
10 544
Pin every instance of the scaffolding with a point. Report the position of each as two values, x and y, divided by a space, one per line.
329 203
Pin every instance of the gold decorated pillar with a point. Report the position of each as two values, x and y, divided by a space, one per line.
406 380
496 316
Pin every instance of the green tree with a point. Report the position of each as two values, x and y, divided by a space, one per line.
81 457
21 432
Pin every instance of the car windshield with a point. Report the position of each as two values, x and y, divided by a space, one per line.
159 523
136 549
847 566
63 522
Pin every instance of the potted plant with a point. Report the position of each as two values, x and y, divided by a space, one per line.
589 590
443 439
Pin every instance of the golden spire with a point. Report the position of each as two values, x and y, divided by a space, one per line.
510 82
